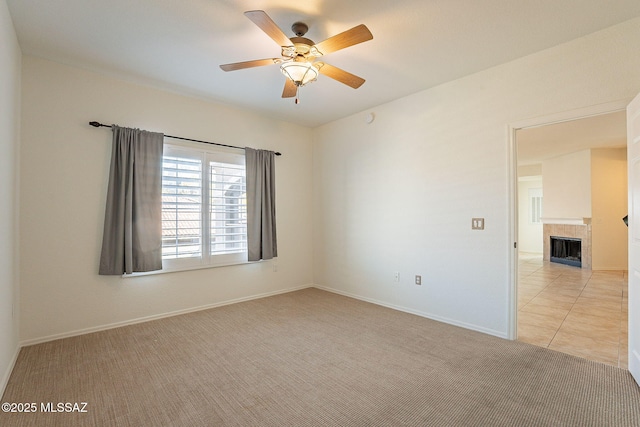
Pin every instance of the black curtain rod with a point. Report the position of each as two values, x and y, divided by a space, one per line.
98 124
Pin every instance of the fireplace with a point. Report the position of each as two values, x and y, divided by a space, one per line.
566 250
580 232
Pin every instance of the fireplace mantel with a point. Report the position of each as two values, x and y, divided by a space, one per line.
567 221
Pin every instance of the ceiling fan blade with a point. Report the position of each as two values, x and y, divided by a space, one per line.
339 74
348 38
249 64
266 24
290 89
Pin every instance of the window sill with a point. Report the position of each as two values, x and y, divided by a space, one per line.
185 268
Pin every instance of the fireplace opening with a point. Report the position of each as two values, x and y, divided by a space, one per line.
566 250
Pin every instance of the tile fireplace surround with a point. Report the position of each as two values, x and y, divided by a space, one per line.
582 232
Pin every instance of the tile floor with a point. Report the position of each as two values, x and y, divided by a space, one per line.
575 311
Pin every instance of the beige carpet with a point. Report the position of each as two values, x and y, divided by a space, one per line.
312 358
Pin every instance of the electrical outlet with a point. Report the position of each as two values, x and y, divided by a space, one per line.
396 277
418 280
275 267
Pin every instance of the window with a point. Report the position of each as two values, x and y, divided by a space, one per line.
204 210
535 205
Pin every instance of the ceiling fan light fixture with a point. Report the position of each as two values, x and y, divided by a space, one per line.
299 72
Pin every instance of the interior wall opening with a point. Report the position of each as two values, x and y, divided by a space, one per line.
571 183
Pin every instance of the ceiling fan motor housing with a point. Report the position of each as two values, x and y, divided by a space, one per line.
302 46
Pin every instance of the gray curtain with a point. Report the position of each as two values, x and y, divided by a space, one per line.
261 204
132 238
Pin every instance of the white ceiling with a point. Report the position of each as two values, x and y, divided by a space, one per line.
417 44
545 142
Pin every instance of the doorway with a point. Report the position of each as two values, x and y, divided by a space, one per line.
580 311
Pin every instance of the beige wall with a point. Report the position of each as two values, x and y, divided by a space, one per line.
398 195
609 205
64 166
9 143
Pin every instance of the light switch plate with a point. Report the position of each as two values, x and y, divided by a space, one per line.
477 223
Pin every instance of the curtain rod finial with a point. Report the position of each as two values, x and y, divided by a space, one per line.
95 124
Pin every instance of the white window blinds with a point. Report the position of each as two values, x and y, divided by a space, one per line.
204 215
228 208
181 207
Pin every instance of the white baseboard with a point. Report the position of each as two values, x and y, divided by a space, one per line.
7 374
249 298
157 316
417 312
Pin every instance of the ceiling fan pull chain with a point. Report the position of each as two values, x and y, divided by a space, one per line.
297 101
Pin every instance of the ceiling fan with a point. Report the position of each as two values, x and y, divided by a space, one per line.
299 53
